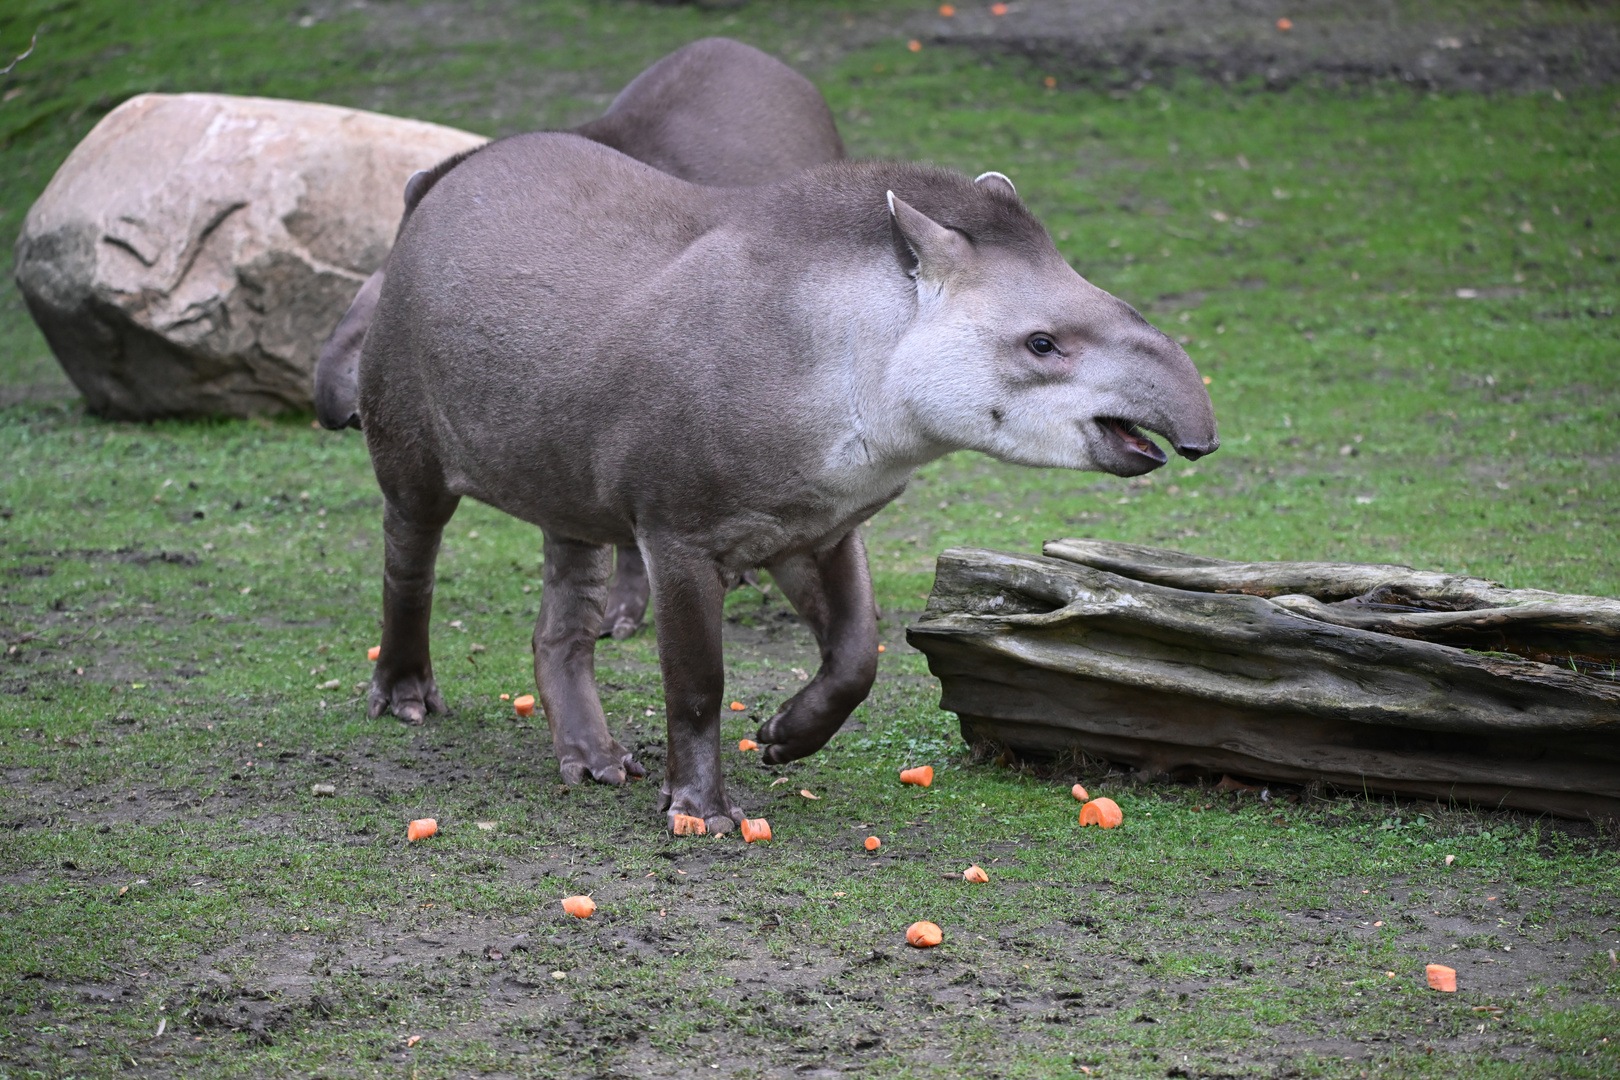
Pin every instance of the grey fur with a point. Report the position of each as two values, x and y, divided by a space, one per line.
728 378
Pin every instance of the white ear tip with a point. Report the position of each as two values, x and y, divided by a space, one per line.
999 176
890 197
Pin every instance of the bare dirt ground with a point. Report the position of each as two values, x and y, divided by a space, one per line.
1483 47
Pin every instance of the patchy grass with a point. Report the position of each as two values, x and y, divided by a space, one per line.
178 599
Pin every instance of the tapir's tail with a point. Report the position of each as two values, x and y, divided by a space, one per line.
337 371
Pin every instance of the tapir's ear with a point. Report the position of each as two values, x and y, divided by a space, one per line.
935 250
995 181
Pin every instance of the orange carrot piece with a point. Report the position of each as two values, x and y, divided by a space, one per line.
755 829
1102 811
1441 978
975 873
373 652
873 843
524 704
924 935
737 706
580 907
1079 792
747 744
421 829
922 775
687 825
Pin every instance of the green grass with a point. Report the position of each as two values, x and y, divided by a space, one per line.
1482 434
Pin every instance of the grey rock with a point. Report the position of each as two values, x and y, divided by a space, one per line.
192 253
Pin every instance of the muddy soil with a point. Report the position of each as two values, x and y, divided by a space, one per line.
1336 42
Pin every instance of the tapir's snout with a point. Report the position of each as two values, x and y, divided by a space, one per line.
1152 386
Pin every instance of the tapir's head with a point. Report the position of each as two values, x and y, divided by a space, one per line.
1014 354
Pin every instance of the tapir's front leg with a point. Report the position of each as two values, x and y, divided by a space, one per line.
688 594
832 591
575 578
402 681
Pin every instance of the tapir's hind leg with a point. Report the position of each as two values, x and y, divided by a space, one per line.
688 598
627 597
402 681
832 591
575 578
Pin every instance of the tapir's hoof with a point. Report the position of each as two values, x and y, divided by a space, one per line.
623 627
711 823
690 825
410 698
610 772
781 743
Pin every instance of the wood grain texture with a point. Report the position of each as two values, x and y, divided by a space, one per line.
1048 653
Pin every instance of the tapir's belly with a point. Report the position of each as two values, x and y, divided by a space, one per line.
743 505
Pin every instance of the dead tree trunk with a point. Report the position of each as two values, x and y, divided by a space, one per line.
1368 677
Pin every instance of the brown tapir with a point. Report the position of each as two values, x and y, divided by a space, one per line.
714 112
728 378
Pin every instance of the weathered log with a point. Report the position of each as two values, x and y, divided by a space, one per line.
1346 673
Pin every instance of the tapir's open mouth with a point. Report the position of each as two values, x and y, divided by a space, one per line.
1137 447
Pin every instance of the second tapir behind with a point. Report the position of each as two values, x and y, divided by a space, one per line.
729 379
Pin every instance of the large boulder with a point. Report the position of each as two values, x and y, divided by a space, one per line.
194 250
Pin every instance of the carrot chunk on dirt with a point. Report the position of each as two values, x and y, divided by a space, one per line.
737 706
524 704
747 744
975 873
1441 978
1079 792
580 907
924 935
922 775
687 825
421 829
1101 811
373 652
873 843
755 829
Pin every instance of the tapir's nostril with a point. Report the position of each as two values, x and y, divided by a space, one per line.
1194 451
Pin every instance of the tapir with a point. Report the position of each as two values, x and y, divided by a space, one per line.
714 112
727 378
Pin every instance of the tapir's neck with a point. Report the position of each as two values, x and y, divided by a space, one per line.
862 316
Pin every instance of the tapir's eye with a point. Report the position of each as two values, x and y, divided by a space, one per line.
1041 345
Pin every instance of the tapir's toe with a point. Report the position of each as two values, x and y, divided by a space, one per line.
782 740
610 764
623 627
719 814
410 698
